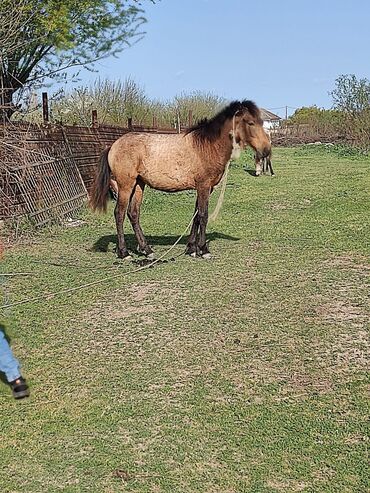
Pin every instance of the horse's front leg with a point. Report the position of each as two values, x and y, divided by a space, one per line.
269 165
258 166
203 200
191 247
264 166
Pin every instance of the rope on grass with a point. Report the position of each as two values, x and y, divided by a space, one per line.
220 200
11 274
48 296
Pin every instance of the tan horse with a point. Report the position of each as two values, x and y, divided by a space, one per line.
174 162
263 164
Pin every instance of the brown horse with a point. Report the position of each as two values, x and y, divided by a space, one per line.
195 159
264 165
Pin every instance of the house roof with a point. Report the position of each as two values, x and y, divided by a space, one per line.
268 115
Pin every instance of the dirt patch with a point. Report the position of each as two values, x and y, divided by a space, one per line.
323 475
346 300
138 299
341 314
355 439
287 485
352 348
343 352
281 206
141 292
278 206
357 263
126 324
340 311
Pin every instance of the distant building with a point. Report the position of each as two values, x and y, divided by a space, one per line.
270 120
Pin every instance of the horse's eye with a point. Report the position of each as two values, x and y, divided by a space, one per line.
250 123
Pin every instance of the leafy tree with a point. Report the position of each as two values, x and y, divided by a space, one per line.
320 120
41 39
351 95
305 114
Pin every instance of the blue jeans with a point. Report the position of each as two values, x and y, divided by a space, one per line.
8 363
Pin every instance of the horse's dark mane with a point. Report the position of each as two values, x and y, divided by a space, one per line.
210 129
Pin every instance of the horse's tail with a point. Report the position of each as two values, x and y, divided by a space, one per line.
100 188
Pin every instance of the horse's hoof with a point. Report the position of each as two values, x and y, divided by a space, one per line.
193 255
207 256
151 256
123 255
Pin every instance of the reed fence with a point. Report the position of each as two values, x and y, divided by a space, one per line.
46 171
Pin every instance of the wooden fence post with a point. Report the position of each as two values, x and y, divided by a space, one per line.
94 118
45 107
129 123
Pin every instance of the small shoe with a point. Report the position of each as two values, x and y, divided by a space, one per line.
20 388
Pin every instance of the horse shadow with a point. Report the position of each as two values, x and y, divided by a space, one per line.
251 172
102 244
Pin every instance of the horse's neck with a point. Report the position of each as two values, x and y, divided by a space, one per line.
217 154
225 146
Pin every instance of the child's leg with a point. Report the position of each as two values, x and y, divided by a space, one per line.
8 363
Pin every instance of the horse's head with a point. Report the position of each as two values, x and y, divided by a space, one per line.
248 129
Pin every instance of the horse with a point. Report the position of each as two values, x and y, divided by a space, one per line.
193 160
264 165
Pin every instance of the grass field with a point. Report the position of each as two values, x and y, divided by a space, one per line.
246 373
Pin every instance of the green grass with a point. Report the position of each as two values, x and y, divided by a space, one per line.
245 373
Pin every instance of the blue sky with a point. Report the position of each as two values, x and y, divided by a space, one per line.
277 53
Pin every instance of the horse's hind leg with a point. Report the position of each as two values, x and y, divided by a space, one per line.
123 199
133 214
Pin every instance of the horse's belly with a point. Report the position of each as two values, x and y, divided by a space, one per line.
173 179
